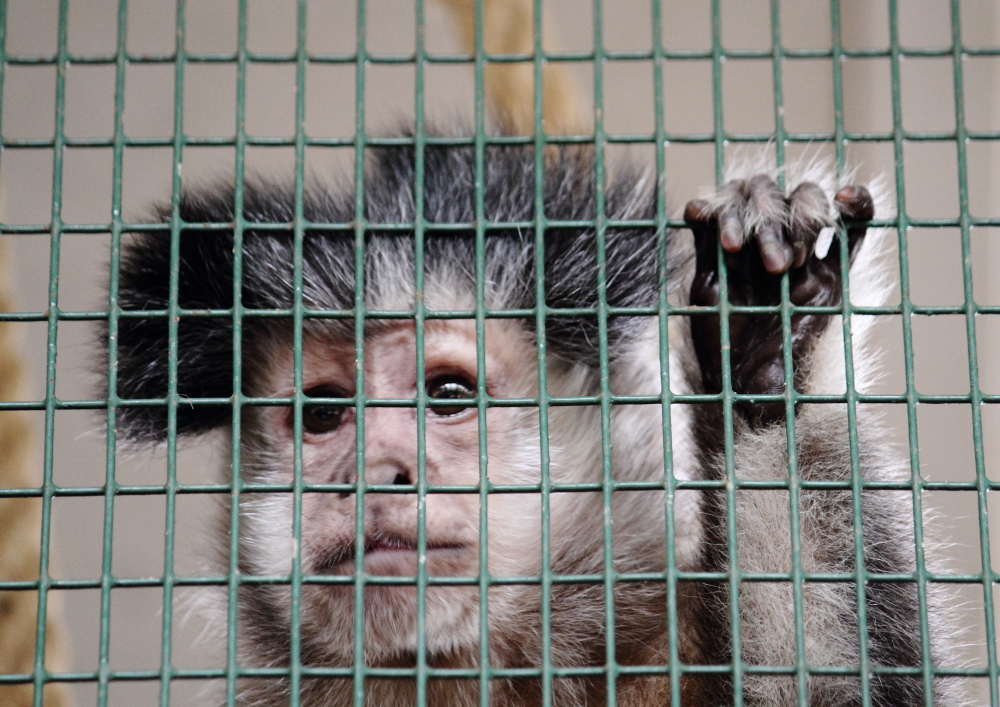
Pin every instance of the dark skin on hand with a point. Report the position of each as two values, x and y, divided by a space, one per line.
782 243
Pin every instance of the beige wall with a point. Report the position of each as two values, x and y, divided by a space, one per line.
209 100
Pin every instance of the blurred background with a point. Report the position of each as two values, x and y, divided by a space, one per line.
931 170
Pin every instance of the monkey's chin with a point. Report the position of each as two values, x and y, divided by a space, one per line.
391 609
401 560
451 621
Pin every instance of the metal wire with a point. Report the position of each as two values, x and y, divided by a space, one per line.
716 135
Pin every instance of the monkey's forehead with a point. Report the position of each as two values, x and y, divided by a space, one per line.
403 257
392 347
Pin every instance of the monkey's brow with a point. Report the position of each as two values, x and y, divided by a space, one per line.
551 312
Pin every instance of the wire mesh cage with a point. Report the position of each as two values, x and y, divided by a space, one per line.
103 103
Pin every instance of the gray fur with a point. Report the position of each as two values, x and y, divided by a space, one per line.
578 610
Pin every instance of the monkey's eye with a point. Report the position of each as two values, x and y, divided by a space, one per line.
320 419
450 388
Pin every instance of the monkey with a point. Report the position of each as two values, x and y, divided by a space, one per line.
444 403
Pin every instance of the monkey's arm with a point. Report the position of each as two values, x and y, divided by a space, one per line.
765 233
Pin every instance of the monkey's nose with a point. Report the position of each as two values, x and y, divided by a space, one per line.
389 474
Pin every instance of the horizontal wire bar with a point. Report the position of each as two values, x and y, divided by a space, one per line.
624 138
527 580
520 57
373 314
689 399
495 489
496 673
102 228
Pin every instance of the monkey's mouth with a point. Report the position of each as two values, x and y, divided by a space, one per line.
336 561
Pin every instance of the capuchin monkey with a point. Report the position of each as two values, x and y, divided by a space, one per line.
441 403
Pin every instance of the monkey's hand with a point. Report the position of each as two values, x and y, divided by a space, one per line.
764 234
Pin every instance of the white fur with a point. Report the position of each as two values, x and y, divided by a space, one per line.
577 521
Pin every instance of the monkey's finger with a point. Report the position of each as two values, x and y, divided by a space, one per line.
731 230
766 211
705 286
808 213
856 208
701 220
774 250
697 213
732 216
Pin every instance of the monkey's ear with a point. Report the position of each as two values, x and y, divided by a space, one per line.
204 367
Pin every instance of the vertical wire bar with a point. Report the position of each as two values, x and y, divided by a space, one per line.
541 309
607 477
906 306
481 395
52 317
3 72
52 332
419 314
860 572
837 52
976 393
735 576
718 127
359 355
851 393
788 365
663 322
111 441
298 223
173 325
777 57
235 442
3 63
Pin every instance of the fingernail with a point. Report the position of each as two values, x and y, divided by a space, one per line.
775 258
847 194
799 255
694 212
855 203
731 235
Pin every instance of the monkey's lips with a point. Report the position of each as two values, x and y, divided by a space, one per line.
387 555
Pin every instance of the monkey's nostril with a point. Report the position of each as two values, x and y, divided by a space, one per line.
401 480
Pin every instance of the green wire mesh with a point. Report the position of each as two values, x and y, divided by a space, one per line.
661 58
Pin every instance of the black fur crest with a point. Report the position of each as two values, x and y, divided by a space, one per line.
205 263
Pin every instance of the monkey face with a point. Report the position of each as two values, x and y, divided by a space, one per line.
401 452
